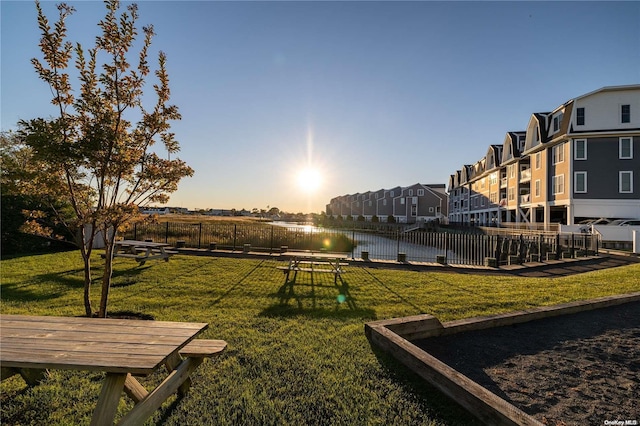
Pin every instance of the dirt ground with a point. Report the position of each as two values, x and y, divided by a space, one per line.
581 369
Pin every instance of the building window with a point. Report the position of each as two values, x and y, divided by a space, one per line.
557 121
580 146
625 113
558 184
402 201
537 188
580 182
625 148
414 200
392 193
538 159
626 182
384 202
410 192
580 116
558 154
512 194
512 171
430 209
420 192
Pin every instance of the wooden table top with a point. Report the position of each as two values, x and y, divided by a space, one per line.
135 243
111 345
314 255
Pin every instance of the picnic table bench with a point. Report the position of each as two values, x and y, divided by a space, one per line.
30 345
142 250
313 263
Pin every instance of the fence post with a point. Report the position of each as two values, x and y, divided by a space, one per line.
446 247
200 235
573 245
166 234
271 243
353 241
235 228
135 231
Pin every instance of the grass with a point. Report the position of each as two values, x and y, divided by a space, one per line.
303 362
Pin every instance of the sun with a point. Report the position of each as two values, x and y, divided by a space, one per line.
309 179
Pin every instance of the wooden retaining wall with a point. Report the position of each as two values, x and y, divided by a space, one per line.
395 335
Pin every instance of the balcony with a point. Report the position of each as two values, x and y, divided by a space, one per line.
503 182
525 175
525 199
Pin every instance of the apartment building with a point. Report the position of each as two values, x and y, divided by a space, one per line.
411 204
580 160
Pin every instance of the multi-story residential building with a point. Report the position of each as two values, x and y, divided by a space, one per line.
415 203
581 160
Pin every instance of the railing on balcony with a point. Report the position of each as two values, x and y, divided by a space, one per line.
525 199
503 182
525 174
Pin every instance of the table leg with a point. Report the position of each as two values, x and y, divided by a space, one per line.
134 389
159 395
108 400
172 363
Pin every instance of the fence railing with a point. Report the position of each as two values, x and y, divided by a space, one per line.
383 244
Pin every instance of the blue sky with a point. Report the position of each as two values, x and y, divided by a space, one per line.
371 94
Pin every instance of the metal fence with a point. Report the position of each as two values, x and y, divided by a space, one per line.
384 244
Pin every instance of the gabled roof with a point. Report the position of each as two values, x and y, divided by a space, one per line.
510 148
607 89
537 130
493 157
465 175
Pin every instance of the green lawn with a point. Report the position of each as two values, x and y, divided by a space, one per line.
305 362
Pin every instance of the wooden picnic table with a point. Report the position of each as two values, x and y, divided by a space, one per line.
121 348
141 250
314 263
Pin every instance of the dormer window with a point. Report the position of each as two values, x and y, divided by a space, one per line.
580 116
625 113
557 122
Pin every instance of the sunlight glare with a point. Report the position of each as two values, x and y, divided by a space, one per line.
309 179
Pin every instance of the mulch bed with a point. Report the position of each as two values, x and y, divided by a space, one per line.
580 369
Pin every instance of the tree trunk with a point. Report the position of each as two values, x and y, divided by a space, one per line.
108 271
85 251
87 284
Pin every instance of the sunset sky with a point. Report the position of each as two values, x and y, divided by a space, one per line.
354 95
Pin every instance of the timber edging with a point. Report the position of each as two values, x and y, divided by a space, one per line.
394 335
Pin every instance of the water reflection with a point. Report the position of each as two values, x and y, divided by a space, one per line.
382 246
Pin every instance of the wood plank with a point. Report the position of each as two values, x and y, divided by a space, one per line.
135 329
134 389
203 347
485 405
50 321
100 338
43 359
154 400
108 400
77 346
